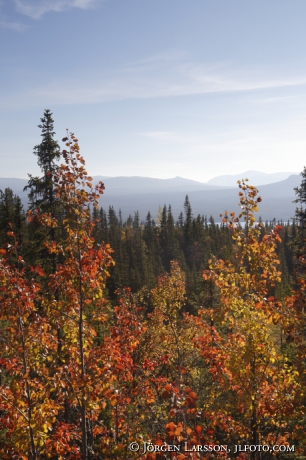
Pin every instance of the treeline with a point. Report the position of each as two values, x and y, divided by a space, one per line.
144 250
146 340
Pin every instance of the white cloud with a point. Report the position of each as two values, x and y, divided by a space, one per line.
273 146
164 56
5 23
274 100
156 78
35 9
17 26
165 136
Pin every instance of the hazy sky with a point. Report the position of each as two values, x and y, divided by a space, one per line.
158 88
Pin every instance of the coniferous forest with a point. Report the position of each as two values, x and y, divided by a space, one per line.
155 339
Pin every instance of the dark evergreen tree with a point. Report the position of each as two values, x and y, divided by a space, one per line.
188 220
12 217
169 239
152 248
103 225
300 220
180 221
41 190
42 199
120 219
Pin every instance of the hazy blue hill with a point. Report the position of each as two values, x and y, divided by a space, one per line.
282 188
121 186
255 178
277 201
17 185
136 184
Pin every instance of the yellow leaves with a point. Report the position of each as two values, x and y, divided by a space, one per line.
169 295
249 348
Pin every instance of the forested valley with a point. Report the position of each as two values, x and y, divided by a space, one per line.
155 339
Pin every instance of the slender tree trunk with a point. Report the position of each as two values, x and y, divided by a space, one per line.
254 423
83 371
27 391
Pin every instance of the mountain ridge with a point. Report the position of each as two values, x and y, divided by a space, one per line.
137 193
256 178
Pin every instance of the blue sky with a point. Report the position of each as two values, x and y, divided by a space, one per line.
158 88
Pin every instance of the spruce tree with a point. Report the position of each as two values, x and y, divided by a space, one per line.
300 220
48 152
12 217
41 195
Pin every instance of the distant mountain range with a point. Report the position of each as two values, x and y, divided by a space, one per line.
255 178
209 199
277 201
122 185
